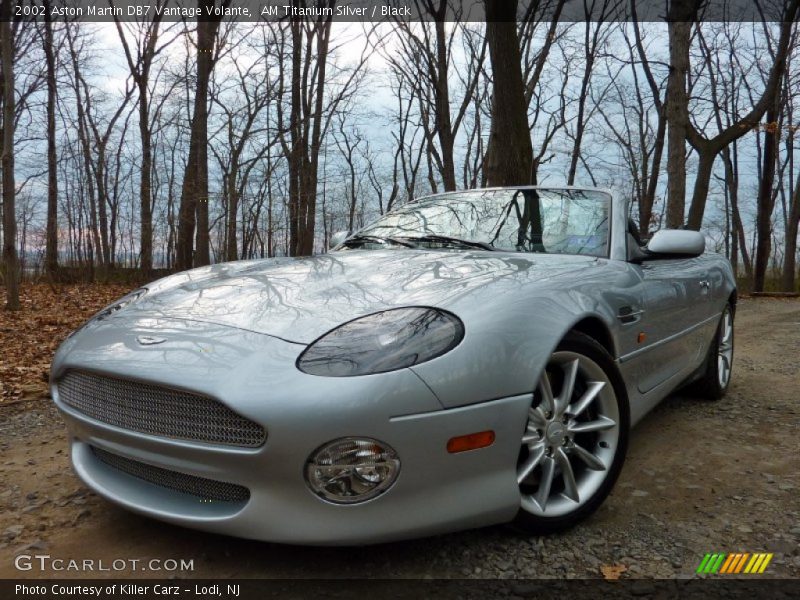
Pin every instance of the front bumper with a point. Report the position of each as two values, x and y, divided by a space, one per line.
254 375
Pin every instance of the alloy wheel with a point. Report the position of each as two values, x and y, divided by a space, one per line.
570 438
725 349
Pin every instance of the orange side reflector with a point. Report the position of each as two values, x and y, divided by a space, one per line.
473 441
642 337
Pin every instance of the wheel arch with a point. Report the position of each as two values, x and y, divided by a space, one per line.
732 301
516 348
596 328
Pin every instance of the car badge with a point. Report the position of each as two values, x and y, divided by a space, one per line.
148 340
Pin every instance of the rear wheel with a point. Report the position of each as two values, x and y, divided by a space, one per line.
575 438
719 364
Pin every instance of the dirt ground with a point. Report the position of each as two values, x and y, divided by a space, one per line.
700 477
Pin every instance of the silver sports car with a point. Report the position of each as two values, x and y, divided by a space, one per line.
471 358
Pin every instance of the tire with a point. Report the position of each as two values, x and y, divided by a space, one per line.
594 421
716 378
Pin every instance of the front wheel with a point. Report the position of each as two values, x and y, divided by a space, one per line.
574 442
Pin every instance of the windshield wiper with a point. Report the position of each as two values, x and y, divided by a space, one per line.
446 239
360 239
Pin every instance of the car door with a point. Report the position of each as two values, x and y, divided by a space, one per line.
675 299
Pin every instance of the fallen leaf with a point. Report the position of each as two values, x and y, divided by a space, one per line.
612 572
30 336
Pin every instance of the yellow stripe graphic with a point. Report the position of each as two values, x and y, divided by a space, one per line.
740 564
728 562
753 565
764 564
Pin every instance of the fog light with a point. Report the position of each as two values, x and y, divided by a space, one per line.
352 470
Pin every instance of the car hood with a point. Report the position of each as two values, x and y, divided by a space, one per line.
299 299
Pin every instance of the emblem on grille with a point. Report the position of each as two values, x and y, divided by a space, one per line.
149 340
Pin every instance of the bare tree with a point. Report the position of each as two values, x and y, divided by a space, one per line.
790 193
408 149
774 76
630 127
788 279
708 148
242 99
596 32
8 96
728 78
509 155
316 91
537 38
98 135
193 214
766 196
424 62
51 246
648 195
681 16
348 143
97 242
636 122
140 62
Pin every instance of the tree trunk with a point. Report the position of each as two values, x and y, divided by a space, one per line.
145 201
193 212
206 32
296 152
681 17
702 181
51 243
351 216
139 63
591 42
102 203
443 123
732 191
649 198
766 199
790 245
575 155
83 140
231 250
509 154
10 258
187 211
306 128
738 226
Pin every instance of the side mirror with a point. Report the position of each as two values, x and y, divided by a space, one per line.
669 243
337 238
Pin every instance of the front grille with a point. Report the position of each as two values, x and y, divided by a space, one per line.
157 411
205 489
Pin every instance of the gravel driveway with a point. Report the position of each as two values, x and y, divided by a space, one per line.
700 477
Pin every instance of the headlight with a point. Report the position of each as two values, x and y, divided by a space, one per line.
381 342
113 307
119 304
352 470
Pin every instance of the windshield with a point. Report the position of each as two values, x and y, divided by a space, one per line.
557 221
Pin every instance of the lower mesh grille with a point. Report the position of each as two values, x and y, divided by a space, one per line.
205 489
157 410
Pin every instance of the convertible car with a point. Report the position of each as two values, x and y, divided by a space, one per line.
468 359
